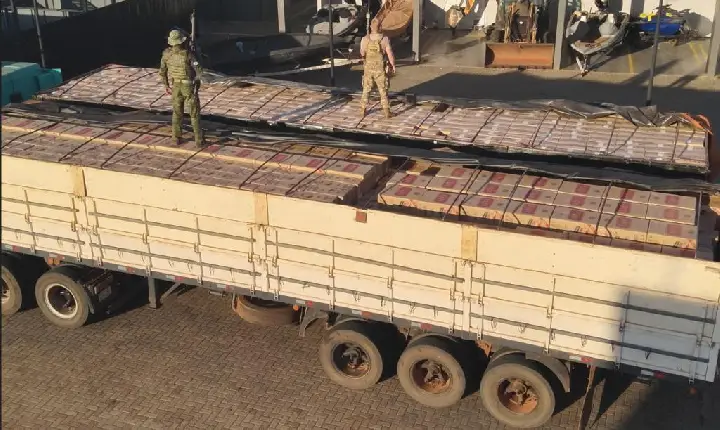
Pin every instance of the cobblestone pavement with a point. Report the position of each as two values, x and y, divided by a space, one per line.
193 364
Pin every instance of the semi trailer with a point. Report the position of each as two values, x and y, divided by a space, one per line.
406 260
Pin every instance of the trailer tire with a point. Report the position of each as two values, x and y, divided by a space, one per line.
350 355
264 313
62 299
441 357
12 297
496 392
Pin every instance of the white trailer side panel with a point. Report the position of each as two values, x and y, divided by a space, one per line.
649 310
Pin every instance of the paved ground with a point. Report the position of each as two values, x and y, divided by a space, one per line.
440 48
192 364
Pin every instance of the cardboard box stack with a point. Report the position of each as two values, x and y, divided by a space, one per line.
300 170
515 130
600 214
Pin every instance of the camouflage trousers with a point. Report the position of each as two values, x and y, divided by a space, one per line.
374 77
183 94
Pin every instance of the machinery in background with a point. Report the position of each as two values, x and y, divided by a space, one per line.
457 12
348 18
595 34
673 27
520 37
395 17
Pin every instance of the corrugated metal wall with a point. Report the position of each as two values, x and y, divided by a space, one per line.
132 32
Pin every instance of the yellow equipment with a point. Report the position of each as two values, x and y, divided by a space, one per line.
514 39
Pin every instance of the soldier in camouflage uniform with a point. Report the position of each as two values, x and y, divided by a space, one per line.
180 72
375 49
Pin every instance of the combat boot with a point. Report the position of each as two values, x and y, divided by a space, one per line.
363 112
177 141
200 140
388 114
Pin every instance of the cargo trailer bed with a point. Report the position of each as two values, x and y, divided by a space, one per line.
172 220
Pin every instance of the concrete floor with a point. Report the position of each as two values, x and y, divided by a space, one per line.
440 48
193 364
689 59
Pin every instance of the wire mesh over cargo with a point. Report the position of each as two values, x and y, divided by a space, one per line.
598 213
627 135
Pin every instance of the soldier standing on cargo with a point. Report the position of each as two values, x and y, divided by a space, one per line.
375 49
180 72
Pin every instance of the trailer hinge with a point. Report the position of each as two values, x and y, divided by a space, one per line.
412 308
27 218
522 328
390 283
274 261
196 248
583 341
276 295
330 272
382 302
621 327
74 227
145 238
356 296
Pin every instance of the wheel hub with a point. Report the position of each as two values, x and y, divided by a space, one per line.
5 292
431 376
61 301
518 396
351 360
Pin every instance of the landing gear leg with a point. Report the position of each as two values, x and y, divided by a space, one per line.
152 293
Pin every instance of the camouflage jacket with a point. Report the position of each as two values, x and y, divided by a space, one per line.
178 64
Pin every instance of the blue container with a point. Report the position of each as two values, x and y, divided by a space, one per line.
20 81
668 26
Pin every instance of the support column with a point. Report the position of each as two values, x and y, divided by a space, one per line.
417 18
714 51
560 44
281 16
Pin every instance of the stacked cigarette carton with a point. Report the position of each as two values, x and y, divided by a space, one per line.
528 131
609 215
297 170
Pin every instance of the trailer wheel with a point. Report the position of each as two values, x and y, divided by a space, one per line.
12 298
62 299
263 312
350 355
430 372
516 393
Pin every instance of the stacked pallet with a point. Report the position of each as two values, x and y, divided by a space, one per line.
296 170
609 215
528 131
604 214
